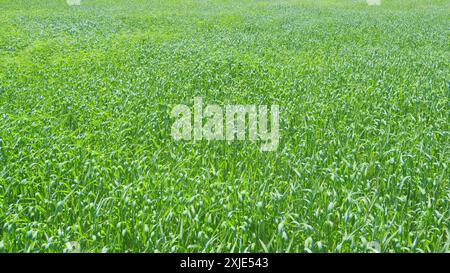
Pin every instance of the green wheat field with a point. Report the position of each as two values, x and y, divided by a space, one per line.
88 164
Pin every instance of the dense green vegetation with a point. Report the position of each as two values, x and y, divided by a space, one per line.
86 155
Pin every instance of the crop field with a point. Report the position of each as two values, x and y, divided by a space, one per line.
88 163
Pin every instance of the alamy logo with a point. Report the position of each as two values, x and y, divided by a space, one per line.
73 2
233 122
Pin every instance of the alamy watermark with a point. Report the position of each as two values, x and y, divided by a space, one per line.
73 2
229 123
